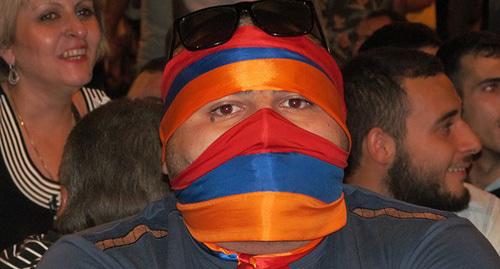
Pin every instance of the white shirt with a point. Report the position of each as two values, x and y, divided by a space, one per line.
484 212
493 186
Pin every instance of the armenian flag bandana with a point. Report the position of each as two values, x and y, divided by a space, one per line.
262 178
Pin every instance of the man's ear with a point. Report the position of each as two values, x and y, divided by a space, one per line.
164 168
380 146
64 202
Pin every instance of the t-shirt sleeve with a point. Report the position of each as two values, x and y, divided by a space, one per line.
75 252
454 243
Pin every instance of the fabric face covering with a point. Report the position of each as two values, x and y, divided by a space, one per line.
265 179
251 60
260 180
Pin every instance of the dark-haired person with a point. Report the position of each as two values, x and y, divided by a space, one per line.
472 61
409 139
371 24
406 35
148 82
349 23
255 145
110 170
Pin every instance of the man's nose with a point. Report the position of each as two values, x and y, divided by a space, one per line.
467 140
264 99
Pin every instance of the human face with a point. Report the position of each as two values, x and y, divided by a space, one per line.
215 118
55 42
481 98
438 143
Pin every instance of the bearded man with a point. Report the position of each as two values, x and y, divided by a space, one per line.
409 139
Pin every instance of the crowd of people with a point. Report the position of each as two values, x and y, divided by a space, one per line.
261 134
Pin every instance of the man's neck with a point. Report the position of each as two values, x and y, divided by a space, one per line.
263 248
486 169
369 178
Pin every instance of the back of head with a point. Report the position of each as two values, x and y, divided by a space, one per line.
148 82
374 93
392 15
484 44
111 165
406 35
155 65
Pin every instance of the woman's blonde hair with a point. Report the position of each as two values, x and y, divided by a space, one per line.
8 16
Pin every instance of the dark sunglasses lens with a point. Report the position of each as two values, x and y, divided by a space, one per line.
208 28
283 18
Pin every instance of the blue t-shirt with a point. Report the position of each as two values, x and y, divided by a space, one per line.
380 233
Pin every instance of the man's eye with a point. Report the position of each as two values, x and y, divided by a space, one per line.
446 128
49 16
296 103
225 110
490 87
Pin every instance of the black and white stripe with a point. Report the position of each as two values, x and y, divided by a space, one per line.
25 175
94 98
26 255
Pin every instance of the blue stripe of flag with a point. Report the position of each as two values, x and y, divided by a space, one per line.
268 172
229 56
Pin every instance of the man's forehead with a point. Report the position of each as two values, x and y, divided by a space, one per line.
253 92
431 96
470 61
478 67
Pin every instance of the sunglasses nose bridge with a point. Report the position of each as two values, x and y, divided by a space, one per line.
245 15
244 12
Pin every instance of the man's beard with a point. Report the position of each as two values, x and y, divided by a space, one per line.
421 186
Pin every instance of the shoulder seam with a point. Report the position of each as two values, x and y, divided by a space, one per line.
131 237
396 213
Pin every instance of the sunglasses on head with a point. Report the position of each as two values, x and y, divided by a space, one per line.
215 26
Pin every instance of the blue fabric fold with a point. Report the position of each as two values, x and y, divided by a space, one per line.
268 172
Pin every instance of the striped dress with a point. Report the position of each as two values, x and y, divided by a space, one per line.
27 253
27 198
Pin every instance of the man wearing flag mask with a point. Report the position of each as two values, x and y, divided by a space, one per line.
255 145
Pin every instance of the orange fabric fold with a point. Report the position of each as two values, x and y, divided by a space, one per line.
246 217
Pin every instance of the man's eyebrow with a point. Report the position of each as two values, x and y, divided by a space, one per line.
448 115
489 80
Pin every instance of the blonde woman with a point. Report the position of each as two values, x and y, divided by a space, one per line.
49 49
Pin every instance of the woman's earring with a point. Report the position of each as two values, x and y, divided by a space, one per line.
13 75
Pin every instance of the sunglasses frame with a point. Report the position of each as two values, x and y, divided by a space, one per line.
246 8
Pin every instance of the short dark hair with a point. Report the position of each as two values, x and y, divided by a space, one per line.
392 15
111 165
406 35
374 94
484 43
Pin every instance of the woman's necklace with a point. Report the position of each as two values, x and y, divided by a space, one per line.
45 168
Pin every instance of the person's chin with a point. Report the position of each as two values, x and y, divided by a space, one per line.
78 79
455 183
458 200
